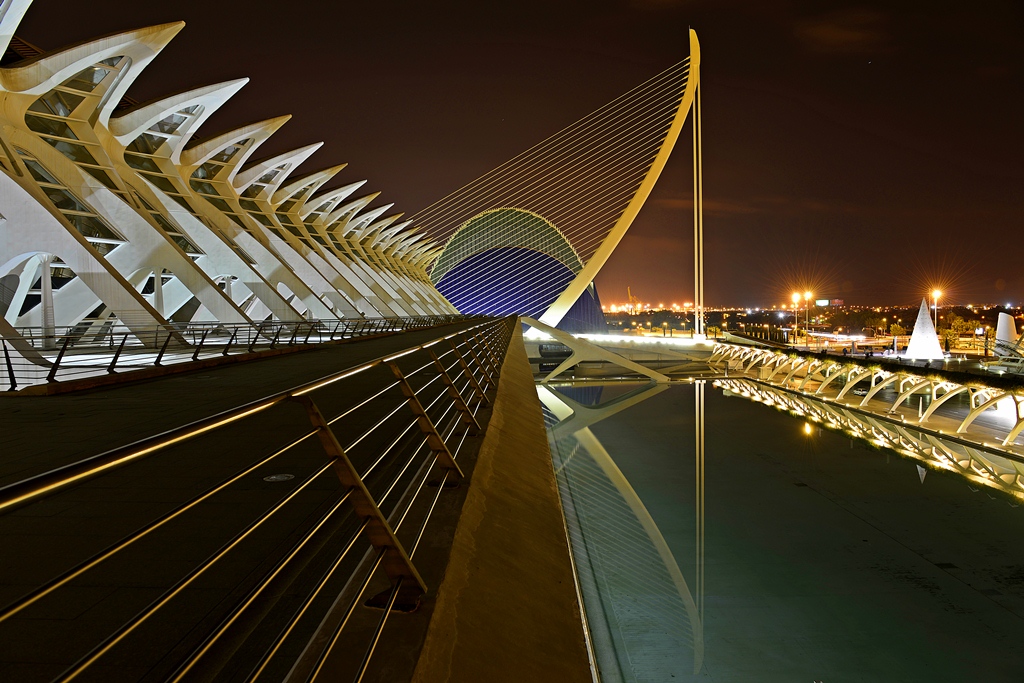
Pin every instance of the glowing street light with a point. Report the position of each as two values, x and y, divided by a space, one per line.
935 296
807 328
796 312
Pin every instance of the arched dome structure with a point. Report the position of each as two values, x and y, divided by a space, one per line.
510 261
590 180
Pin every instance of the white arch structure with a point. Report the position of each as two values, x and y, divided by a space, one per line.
589 181
846 375
132 222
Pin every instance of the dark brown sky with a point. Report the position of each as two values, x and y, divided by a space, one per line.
866 150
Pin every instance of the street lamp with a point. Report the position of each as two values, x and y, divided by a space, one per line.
807 327
935 296
796 313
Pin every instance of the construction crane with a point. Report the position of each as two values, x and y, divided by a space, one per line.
633 303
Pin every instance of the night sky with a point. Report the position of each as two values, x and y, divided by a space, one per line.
867 151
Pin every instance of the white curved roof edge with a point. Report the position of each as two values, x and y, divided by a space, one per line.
291 159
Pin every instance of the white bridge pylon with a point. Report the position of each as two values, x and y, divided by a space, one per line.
588 182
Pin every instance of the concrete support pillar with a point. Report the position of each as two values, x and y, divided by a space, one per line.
46 291
158 290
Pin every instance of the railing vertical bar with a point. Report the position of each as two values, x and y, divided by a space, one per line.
10 369
163 348
255 336
52 376
117 354
195 356
230 340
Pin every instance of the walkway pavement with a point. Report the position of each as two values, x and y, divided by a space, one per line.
56 533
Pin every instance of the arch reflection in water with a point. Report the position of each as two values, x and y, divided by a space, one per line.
644 619
984 464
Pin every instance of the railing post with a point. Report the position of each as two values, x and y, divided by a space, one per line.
252 343
487 340
52 377
231 339
277 333
397 563
434 441
295 332
113 361
483 367
468 371
195 355
163 348
460 404
335 330
10 368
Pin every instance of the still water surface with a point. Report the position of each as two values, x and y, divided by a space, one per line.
783 552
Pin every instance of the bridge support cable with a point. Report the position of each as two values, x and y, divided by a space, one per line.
588 182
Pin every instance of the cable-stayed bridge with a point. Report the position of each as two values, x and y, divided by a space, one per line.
530 236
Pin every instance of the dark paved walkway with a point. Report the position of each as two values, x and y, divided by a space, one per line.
55 533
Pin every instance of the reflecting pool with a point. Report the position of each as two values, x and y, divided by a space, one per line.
717 539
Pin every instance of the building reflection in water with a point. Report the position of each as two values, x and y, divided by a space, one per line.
645 620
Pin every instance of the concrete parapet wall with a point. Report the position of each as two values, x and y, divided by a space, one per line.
507 608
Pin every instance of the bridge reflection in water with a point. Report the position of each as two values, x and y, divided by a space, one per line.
825 563
643 617
982 464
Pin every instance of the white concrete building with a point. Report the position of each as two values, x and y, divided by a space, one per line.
120 217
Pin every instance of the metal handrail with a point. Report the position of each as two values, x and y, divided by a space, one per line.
33 487
69 353
447 396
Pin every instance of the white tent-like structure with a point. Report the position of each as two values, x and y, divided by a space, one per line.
1008 342
1006 330
924 342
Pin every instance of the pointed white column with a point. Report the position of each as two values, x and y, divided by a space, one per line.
158 290
924 343
46 292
